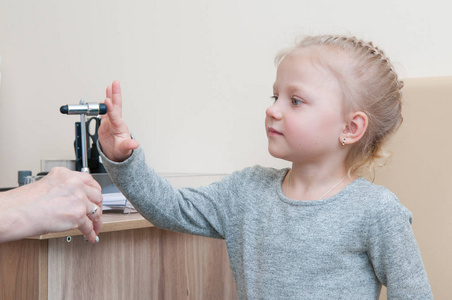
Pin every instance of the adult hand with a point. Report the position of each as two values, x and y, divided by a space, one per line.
114 135
62 200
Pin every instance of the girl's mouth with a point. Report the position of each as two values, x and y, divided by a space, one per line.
273 131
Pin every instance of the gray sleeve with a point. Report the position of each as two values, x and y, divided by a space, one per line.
394 253
187 210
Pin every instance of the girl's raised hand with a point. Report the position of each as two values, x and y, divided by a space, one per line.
114 135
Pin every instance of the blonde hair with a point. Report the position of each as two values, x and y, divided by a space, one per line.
369 84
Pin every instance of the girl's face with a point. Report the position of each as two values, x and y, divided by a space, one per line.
306 120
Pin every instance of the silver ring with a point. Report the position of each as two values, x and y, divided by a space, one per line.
95 208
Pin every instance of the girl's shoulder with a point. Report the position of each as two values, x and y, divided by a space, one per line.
377 199
370 191
260 174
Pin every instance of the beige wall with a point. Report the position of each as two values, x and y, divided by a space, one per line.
420 173
196 77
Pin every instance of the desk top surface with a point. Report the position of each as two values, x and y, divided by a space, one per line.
110 222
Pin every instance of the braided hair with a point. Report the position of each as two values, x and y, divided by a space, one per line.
369 84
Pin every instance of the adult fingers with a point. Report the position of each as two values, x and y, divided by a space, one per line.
86 225
94 213
92 222
97 220
63 177
88 185
88 179
93 191
87 229
94 195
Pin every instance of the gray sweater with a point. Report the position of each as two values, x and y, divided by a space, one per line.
343 247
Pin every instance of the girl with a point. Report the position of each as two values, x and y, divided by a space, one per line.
318 230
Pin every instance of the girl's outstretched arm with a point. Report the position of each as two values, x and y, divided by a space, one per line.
114 135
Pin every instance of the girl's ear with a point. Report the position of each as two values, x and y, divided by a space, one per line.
355 128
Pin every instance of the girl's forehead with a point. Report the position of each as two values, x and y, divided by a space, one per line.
321 60
325 55
304 64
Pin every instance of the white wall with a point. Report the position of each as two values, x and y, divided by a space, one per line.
196 75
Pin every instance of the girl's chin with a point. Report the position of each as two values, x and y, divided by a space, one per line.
275 153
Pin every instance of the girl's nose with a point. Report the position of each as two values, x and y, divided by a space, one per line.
274 111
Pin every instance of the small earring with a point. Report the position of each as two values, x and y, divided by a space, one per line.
343 142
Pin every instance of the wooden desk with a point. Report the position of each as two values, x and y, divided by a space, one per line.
134 260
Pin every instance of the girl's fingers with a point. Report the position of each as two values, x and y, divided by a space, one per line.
129 145
104 117
116 96
109 93
114 113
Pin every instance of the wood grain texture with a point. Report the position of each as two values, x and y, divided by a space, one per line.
110 222
43 269
22 264
140 264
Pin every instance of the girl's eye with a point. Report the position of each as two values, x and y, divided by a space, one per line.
296 101
274 98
